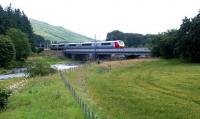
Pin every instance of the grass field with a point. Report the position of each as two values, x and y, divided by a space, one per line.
141 89
41 98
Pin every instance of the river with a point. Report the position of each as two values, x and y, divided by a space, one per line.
19 72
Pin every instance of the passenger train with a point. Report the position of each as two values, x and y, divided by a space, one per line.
88 45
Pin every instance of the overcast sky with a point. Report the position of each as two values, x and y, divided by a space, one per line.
89 17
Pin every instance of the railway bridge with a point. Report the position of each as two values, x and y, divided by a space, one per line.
92 53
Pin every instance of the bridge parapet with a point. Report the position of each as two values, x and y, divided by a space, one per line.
112 52
108 51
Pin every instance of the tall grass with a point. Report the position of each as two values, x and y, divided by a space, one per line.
47 59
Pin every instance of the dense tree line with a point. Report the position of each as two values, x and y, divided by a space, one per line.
17 39
130 39
15 18
182 43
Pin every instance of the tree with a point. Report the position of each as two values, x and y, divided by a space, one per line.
115 35
183 42
167 44
188 45
155 45
164 44
2 19
38 41
7 50
130 39
21 42
195 38
14 18
135 39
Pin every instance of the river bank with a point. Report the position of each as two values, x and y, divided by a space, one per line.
16 71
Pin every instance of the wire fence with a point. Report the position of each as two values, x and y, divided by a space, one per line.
87 112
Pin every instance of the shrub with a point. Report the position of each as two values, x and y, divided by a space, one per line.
7 50
39 50
40 69
4 94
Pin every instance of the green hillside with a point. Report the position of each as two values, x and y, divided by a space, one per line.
56 33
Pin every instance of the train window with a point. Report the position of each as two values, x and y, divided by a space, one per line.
72 44
105 43
87 44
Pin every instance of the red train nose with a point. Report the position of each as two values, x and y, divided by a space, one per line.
117 44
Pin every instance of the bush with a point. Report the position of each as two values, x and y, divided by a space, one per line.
7 51
21 42
4 94
39 50
40 69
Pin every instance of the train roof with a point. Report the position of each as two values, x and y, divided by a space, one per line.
101 41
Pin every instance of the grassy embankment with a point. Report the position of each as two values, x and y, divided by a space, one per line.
40 97
141 89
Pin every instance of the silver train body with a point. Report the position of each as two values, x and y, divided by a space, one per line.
88 45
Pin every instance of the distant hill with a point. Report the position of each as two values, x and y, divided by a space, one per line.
56 33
